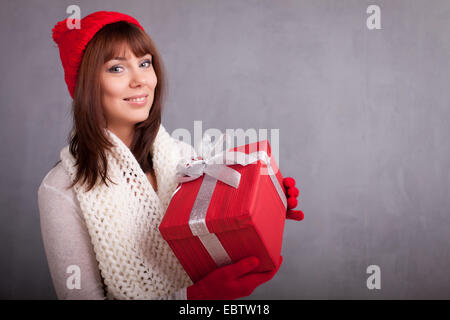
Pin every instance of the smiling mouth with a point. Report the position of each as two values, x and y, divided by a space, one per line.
137 100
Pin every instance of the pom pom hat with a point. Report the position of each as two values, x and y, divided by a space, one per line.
72 42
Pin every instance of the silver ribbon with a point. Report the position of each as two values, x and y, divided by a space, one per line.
213 163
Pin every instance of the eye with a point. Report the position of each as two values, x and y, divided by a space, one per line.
113 69
148 62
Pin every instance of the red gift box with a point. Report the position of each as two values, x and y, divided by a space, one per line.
239 222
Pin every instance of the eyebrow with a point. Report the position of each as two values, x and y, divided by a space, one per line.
123 58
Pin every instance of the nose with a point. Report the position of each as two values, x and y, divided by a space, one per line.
137 79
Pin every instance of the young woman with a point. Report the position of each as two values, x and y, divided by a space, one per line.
101 205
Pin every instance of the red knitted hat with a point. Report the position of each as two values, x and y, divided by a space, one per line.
72 42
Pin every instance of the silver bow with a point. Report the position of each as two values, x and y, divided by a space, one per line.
213 160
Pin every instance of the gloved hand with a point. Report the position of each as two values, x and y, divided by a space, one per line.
292 193
230 282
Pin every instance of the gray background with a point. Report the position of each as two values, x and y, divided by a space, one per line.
363 118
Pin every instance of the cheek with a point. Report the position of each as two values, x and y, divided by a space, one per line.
113 92
114 88
152 79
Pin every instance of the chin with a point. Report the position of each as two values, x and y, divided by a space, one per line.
139 115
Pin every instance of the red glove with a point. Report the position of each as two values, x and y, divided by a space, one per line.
230 282
292 193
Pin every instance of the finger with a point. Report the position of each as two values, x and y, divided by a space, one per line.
297 215
293 192
289 182
254 280
292 202
241 267
258 278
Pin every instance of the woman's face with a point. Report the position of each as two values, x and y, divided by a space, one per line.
128 84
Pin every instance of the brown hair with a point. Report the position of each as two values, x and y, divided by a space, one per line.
88 142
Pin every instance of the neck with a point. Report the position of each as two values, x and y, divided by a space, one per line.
124 133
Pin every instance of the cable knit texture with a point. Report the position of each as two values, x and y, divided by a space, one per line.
123 219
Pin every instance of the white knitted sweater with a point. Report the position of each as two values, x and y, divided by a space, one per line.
123 219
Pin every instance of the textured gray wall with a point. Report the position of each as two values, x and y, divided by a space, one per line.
363 118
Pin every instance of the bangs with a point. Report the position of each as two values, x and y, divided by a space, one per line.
121 36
